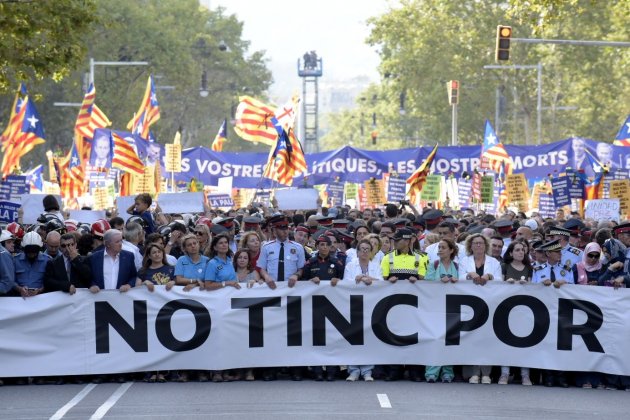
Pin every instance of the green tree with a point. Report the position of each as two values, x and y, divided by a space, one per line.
42 39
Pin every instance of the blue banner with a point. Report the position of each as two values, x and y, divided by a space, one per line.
9 211
560 188
348 164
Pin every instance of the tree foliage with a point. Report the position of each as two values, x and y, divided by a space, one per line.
42 39
425 43
180 40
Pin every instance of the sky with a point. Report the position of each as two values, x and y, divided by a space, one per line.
335 29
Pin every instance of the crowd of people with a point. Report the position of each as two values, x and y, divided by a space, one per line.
260 245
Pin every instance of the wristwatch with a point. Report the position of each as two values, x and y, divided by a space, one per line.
222 284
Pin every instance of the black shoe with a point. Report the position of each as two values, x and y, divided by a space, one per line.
296 377
563 384
330 378
319 377
549 384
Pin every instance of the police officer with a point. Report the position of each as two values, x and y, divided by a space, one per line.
553 271
575 226
323 266
281 259
570 254
403 264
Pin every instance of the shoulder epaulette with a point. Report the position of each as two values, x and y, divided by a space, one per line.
574 250
540 267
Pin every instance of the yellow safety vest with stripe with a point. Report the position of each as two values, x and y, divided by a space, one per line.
404 266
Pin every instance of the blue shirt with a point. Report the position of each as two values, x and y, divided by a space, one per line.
7 271
148 218
220 270
190 270
293 258
30 275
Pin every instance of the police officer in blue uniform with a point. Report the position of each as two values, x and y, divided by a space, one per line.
570 254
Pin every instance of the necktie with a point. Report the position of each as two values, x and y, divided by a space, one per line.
281 263
68 267
553 274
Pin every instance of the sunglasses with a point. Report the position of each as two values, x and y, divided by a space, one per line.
597 255
199 233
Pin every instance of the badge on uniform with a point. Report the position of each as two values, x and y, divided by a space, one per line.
563 273
293 251
416 264
220 267
272 252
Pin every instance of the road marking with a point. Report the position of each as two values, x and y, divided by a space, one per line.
77 398
383 400
103 409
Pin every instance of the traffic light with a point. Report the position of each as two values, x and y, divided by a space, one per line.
504 34
453 92
374 135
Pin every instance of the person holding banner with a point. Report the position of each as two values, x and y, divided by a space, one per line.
251 242
479 267
191 267
69 270
443 269
7 266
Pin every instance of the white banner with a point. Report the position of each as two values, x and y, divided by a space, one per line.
574 328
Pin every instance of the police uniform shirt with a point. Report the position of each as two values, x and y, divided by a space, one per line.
404 266
293 258
570 256
324 268
544 272
186 268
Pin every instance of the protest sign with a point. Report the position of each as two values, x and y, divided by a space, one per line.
517 190
220 200
190 202
351 191
87 216
621 189
9 211
602 209
173 160
560 188
374 192
297 198
335 193
431 188
546 206
396 187
487 189
464 187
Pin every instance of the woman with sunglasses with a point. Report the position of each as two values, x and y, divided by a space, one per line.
203 236
443 269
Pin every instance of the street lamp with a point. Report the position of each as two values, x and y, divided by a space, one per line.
203 89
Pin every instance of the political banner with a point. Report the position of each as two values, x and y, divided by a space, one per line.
602 209
573 328
18 185
349 164
9 211
621 189
220 200
396 187
464 187
374 192
432 188
560 189
335 193
576 184
546 206
487 189
517 189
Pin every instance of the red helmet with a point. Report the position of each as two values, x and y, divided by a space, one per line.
205 221
100 227
71 225
16 230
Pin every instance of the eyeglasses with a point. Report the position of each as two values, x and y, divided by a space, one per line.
199 233
594 256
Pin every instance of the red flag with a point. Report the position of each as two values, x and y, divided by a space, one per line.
417 179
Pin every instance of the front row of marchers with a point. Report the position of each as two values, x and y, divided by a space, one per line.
210 252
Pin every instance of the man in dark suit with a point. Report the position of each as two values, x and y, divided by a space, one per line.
69 270
112 260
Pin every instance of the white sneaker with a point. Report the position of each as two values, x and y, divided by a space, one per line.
486 380
473 379
503 380
368 378
353 377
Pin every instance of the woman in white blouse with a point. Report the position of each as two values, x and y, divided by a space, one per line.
362 268
479 267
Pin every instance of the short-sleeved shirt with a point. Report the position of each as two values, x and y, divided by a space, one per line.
148 218
220 270
160 275
293 258
30 275
404 266
186 268
570 256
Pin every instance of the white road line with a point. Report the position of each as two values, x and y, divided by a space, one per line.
77 398
383 400
103 409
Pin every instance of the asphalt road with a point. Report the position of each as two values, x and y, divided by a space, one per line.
308 399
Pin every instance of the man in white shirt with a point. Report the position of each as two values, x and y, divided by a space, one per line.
133 237
112 267
445 230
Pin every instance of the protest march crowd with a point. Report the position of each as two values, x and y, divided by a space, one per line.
259 244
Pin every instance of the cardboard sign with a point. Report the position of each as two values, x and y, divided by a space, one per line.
18 185
375 193
560 188
351 191
602 209
297 198
33 205
191 202
517 189
464 187
576 184
9 211
335 193
101 198
487 189
173 158
546 206
87 216
431 189
621 189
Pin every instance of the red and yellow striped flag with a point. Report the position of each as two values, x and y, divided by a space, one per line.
417 179
125 157
253 121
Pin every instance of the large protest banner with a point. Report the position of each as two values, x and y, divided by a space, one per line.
574 328
349 164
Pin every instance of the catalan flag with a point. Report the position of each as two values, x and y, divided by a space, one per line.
493 152
221 137
10 138
280 166
35 177
417 179
503 197
148 113
285 116
125 157
90 116
70 174
14 123
29 134
594 189
253 121
623 136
